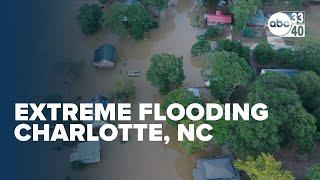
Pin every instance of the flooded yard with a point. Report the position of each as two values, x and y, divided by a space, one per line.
71 63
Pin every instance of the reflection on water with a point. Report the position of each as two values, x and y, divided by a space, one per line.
133 160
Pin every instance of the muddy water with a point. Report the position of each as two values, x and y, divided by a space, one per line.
72 65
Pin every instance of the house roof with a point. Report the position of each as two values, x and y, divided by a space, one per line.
86 152
218 18
215 168
258 19
289 72
104 52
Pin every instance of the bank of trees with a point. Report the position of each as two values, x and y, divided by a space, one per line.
89 18
288 121
313 172
264 166
122 19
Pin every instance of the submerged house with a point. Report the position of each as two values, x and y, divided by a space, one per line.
104 57
215 169
258 20
86 152
289 72
104 101
217 19
195 91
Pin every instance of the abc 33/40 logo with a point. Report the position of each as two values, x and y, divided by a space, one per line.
287 24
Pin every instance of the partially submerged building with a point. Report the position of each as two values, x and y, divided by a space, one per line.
217 19
104 101
259 19
86 152
195 91
220 168
289 72
105 57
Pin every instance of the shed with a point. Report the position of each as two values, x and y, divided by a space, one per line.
104 57
217 18
215 168
86 152
195 91
258 20
289 72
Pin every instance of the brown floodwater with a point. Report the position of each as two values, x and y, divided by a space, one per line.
72 65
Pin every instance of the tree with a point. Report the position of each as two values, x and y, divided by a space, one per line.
166 72
308 84
243 10
181 96
304 130
200 48
264 167
232 46
287 120
124 89
227 71
214 32
159 5
263 53
308 58
313 172
113 19
249 32
139 21
89 18
284 56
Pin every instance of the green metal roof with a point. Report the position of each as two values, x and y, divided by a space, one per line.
105 52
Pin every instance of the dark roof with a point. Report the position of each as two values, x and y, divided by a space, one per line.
104 52
289 72
215 168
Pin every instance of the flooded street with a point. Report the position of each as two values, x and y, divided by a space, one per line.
72 65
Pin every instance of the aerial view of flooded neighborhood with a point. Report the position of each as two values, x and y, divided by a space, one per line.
186 51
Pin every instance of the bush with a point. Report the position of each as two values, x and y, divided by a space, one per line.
125 89
89 18
314 172
232 46
284 56
214 32
200 48
249 32
263 53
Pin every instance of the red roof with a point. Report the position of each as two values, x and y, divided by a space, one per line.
219 18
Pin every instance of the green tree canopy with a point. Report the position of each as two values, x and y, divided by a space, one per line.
264 167
139 21
243 10
308 84
227 71
308 58
284 57
166 72
124 89
159 5
232 46
200 48
285 120
181 96
263 53
113 19
89 18
313 172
